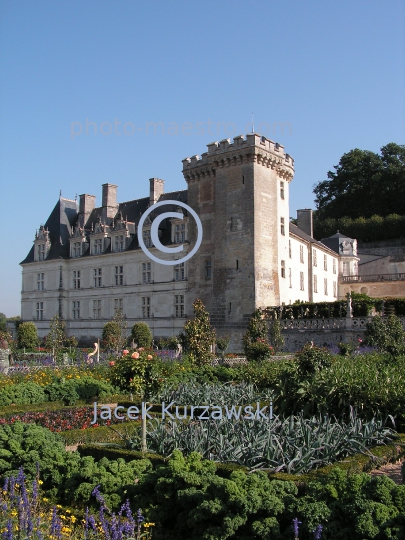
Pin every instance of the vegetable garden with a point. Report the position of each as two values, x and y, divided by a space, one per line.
266 449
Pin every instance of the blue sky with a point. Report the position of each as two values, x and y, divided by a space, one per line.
332 72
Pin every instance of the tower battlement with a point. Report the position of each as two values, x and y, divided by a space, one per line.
253 148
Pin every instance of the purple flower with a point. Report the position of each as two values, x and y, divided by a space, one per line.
56 524
8 533
318 532
296 524
139 517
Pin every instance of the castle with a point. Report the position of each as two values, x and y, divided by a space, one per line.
86 261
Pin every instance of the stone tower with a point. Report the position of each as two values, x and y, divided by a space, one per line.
240 190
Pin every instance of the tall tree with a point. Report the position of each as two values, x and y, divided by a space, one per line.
364 184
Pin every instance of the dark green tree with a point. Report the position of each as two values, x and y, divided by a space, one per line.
276 339
114 332
141 335
27 337
199 336
364 184
3 322
255 342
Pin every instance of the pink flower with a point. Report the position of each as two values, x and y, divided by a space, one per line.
150 357
111 363
141 349
135 355
125 351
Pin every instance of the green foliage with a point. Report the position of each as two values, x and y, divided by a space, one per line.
255 341
141 335
114 332
71 390
27 336
386 334
28 444
56 338
3 322
198 335
21 394
312 359
364 184
276 339
139 372
222 344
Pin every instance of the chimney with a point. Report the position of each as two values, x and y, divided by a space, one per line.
109 202
157 188
86 206
304 221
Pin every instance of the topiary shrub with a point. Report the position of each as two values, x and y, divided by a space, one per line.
312 359
56 338
386 334
199 336
27 337
141 335
255 341
114 332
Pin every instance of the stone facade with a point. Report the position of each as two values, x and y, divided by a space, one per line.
86 261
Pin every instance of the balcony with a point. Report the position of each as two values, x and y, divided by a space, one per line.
372 278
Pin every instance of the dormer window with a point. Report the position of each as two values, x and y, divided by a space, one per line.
42 244
146 238
180 233
78 243
119 244
41 252
76 249
98 246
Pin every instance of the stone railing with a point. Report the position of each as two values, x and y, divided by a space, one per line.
343 323
372 277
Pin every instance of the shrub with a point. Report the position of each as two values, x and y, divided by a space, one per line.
141 335
255 342
275 338
386 334
27 336
114 332
56 337
198 335
22 394
312 359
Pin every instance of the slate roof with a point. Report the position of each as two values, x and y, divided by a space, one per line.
301 234
333 242
64 218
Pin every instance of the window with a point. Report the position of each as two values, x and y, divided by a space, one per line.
179 274
282 226
243 179
77 249
120 242
289 249
314 262
96 309
208 269
315 284
325 286
301 281
97 277
40 282
283 269
237 264
282 190
146 273
41 252
301 253
180 233
346 269
146 238
76 309
290 277
145 307
334 289
119 275
179 305
117 305
98 246
76 279
325 262
40 311
334 266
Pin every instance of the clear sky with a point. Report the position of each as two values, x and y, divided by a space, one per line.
320 77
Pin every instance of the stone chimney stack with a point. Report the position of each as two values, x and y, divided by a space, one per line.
86 206
157 188
109 202
305 222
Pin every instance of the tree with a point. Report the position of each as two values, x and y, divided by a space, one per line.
255 341
141 335
364 184
198 335
56 337
275 338
386 334
3 322
27 337
114 332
